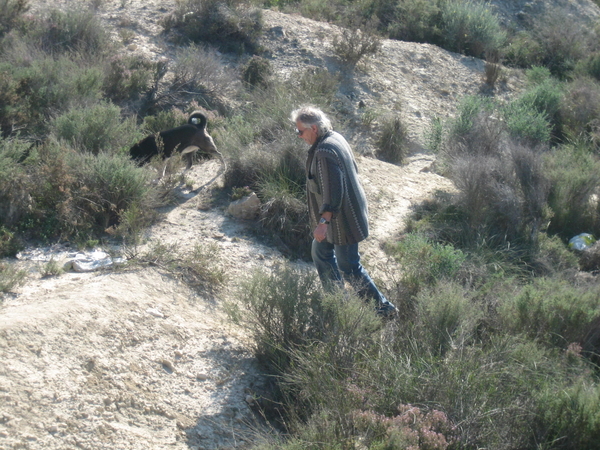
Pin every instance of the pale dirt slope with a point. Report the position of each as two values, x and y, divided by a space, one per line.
136 359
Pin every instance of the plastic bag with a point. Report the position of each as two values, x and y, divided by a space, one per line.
581 241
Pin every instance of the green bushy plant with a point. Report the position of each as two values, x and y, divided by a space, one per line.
126 78
281 311
12 10
424 263
353 44
525 122
13 185
201 72
231 25
257 71
563 42
470 27
10 244
590 66
573 172
411 20
73 30
108 184
48 86
571 415
392 144
10 277
580 110
95 129
551 311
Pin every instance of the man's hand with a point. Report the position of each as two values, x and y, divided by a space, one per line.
320 233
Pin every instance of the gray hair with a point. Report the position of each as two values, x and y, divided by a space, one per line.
309 115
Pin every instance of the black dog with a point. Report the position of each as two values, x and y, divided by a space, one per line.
186 139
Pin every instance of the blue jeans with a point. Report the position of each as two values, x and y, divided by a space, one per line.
332 259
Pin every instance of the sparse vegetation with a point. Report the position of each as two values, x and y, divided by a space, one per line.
495 345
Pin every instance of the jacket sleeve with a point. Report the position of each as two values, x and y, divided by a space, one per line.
331 180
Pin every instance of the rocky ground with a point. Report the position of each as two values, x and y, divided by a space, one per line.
135 359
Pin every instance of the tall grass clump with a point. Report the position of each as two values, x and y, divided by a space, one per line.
393 143
424 262
470 27
551 311
573 172
13 185
232 25
72 31
10 278
580 111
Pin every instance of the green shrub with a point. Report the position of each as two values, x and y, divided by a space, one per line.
553 257
570 415
10 277
424 263
524 122
523 50
72 30
163 120
257 71
563 40
590 66
231 25
469 110
201 72
48 86
13 182
353 44
281 310
107 185
127 78
574 175
470 27
12 10
392 144
10 244
448 317
95 129
580 110
435 135
411 20
551 311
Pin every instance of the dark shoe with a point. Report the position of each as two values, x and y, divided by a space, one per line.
386 310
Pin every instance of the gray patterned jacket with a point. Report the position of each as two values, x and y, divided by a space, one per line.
333 185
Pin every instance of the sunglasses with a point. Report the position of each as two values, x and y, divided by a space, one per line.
301 132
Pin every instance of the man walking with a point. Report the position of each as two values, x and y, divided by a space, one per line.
337 207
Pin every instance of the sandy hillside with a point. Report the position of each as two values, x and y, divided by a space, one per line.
135 359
